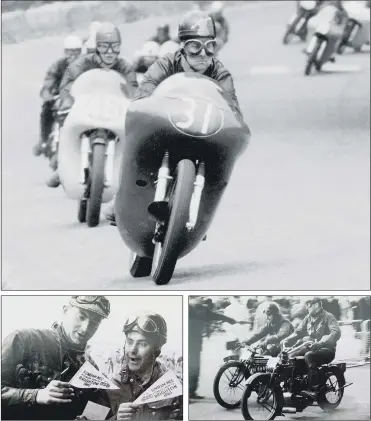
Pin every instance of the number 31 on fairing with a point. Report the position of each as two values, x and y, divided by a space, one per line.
197 118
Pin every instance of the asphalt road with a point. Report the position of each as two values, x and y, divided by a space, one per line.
296 213
354 406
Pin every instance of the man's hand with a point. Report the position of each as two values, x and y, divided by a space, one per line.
55 392
127 411
316 346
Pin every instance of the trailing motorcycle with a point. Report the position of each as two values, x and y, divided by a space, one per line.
181 145
281 390
325 32
299 21
234 372
91 141
357 30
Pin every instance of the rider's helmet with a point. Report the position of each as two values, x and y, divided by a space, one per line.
169 47
72 46
108 43
165 27
151 49
272 309
152 325
196 24
216 9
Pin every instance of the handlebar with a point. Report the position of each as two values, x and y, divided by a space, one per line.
299 344
241 345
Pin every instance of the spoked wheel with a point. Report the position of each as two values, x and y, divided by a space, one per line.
229 385
260 401
312 59
140 267
166 252
96 180
332 394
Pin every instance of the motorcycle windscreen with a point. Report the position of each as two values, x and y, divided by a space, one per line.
99 80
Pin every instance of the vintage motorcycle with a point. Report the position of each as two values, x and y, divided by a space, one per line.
357 30
91 141
325 32
234 372
281 390
180 148
299 21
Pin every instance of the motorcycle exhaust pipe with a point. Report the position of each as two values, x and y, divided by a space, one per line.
288 410
85 151
163 176
196 196
110 154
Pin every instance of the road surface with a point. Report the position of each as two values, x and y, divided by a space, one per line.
295 215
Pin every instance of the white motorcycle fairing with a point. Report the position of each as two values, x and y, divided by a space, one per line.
100 102
360 13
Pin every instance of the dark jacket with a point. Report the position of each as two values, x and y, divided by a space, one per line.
177 63
31 358
93 61
324 329
54 76
131 388
274 332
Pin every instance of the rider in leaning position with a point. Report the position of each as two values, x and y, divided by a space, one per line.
50 88
319 326
276 329
108 46
196 32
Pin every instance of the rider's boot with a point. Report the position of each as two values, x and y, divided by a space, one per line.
313 384
109 213
54 180
46 122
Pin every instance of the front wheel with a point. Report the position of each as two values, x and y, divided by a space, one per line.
313 59
229 379
289 32
332 394
167 253
260 401
96 180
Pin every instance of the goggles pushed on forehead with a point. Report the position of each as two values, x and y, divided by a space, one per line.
194 47
104 47
94 299
145 324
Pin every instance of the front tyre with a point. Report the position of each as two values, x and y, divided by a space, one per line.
166 255
312 58
260 401
330 397
96 180
230 376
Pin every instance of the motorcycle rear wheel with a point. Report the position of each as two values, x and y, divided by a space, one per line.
179 204
323 401
96 180
241 377
257 385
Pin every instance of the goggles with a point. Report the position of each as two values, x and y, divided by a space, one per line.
193 47
104 47
145 324
103 303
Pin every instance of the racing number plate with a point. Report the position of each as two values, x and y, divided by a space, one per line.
105 107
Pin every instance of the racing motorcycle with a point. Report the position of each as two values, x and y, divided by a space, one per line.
299 21
180 148
325 32
91 141
357 29
281 390
234 372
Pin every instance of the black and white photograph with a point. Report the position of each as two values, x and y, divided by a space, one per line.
187 145
279 357
92 357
